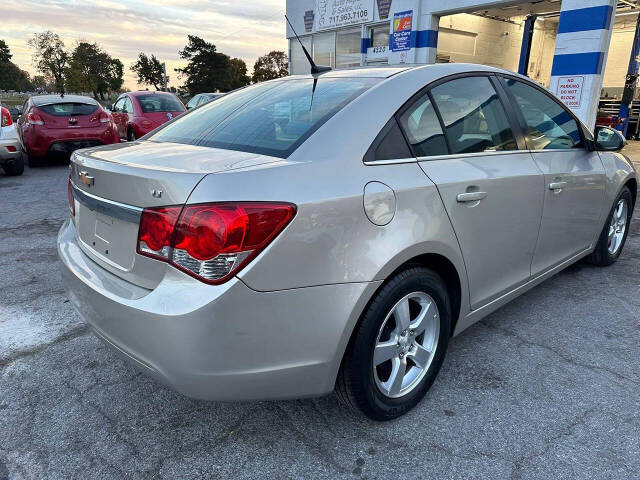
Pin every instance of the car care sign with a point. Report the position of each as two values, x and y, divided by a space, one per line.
401 36
339 13
570 91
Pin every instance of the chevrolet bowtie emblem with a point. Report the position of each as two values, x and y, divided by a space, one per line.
86 179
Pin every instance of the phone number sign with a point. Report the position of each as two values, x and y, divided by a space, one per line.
570 91
339 13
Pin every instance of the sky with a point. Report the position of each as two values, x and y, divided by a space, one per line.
245 29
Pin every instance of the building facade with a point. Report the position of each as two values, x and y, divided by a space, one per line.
568 51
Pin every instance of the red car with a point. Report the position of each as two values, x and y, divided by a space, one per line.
137 113
62 124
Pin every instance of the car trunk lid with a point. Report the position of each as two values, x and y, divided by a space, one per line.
160 118
70 115
113 184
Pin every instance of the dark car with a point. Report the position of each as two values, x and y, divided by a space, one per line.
62 124
15 113
137 113
203 98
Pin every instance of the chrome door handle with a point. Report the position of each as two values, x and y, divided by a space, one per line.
471 197
557 185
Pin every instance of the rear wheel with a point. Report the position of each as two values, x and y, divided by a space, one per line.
614 234
398 347
33 161
14 167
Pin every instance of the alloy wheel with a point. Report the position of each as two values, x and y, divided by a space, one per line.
617 226
406 344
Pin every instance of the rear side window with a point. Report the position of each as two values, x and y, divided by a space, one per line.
159 103
68 109
473 116
423 129
549 125
273 118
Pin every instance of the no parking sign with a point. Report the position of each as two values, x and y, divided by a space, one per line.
570 90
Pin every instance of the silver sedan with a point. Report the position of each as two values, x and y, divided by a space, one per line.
312 234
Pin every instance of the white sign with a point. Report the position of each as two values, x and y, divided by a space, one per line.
339 13
570 91
378 53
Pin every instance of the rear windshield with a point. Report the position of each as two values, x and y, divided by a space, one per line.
68 109
159 103
272 118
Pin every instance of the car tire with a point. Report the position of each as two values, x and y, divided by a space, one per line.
370 388
14 168
131 135
615 231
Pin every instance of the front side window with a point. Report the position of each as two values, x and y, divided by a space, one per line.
194 101
272 118
422 128
473 116
128 106
119 105
549 125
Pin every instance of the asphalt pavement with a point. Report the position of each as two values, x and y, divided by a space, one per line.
547 387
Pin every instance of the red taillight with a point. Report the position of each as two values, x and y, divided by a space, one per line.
211 242
104 117
72 203
11 149
6 117
34 119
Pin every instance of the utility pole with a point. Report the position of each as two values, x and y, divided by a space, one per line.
164 76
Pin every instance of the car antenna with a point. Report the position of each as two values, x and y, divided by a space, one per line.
315 69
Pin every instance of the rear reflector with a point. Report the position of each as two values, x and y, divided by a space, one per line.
214 241
11 149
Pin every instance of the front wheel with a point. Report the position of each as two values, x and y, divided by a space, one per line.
398 348
614 234
131 136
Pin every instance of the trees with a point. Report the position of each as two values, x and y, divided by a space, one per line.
208 70
92 70
11 76
50 56
5 53
149 70
274 64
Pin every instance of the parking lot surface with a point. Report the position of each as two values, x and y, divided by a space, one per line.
547 387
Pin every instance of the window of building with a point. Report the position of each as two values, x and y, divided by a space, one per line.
348 45
473 116
299 62
549 125
379 35
324 49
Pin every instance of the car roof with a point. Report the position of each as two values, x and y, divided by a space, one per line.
148 92
436 69
39 100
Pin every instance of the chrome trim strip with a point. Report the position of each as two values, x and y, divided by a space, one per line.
471 155
551 150
121 211
392 162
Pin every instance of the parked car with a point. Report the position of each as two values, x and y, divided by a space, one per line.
137 113
62 124
234 255
10 147
203 99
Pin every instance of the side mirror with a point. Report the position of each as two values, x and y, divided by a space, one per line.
609 140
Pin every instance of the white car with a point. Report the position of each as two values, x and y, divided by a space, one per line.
10 146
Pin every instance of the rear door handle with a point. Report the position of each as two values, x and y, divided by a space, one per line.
556 186
471 197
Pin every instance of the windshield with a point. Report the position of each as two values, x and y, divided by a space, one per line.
159 103
272 118
68 109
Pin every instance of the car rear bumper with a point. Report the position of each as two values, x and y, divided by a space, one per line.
225 342
6 145
40 142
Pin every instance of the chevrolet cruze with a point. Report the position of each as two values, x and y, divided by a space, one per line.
333 232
